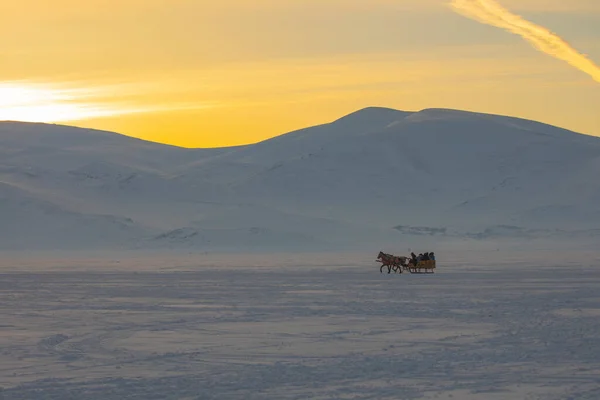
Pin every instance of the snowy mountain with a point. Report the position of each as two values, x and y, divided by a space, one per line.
375 177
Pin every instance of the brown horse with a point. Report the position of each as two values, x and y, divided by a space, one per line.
391 262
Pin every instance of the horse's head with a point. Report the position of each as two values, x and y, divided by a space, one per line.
381 254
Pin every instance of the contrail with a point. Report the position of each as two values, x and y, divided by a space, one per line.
491 13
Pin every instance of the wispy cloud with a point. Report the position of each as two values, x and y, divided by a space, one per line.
492 13
37 102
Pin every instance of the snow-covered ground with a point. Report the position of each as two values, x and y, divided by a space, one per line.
329 326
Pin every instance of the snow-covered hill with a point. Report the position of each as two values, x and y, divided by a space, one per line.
377 176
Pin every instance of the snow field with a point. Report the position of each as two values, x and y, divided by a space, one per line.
296 327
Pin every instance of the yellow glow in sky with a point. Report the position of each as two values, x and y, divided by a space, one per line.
200 73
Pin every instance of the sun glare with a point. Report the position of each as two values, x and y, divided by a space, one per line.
44 103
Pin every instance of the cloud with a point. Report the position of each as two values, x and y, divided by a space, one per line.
491 13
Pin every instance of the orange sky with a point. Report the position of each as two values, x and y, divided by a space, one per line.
199 73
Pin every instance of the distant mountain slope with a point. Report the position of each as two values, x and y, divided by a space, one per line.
431 167
377 175
30 222
60 147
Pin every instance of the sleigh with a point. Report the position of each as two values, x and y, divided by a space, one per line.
422 267
401 263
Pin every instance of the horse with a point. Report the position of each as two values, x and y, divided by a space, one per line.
391 262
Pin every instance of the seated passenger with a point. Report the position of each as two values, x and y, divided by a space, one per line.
432 256
413 258
425 257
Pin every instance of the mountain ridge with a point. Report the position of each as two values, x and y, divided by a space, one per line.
352 117
349 182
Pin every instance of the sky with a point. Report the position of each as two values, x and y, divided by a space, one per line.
202 73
